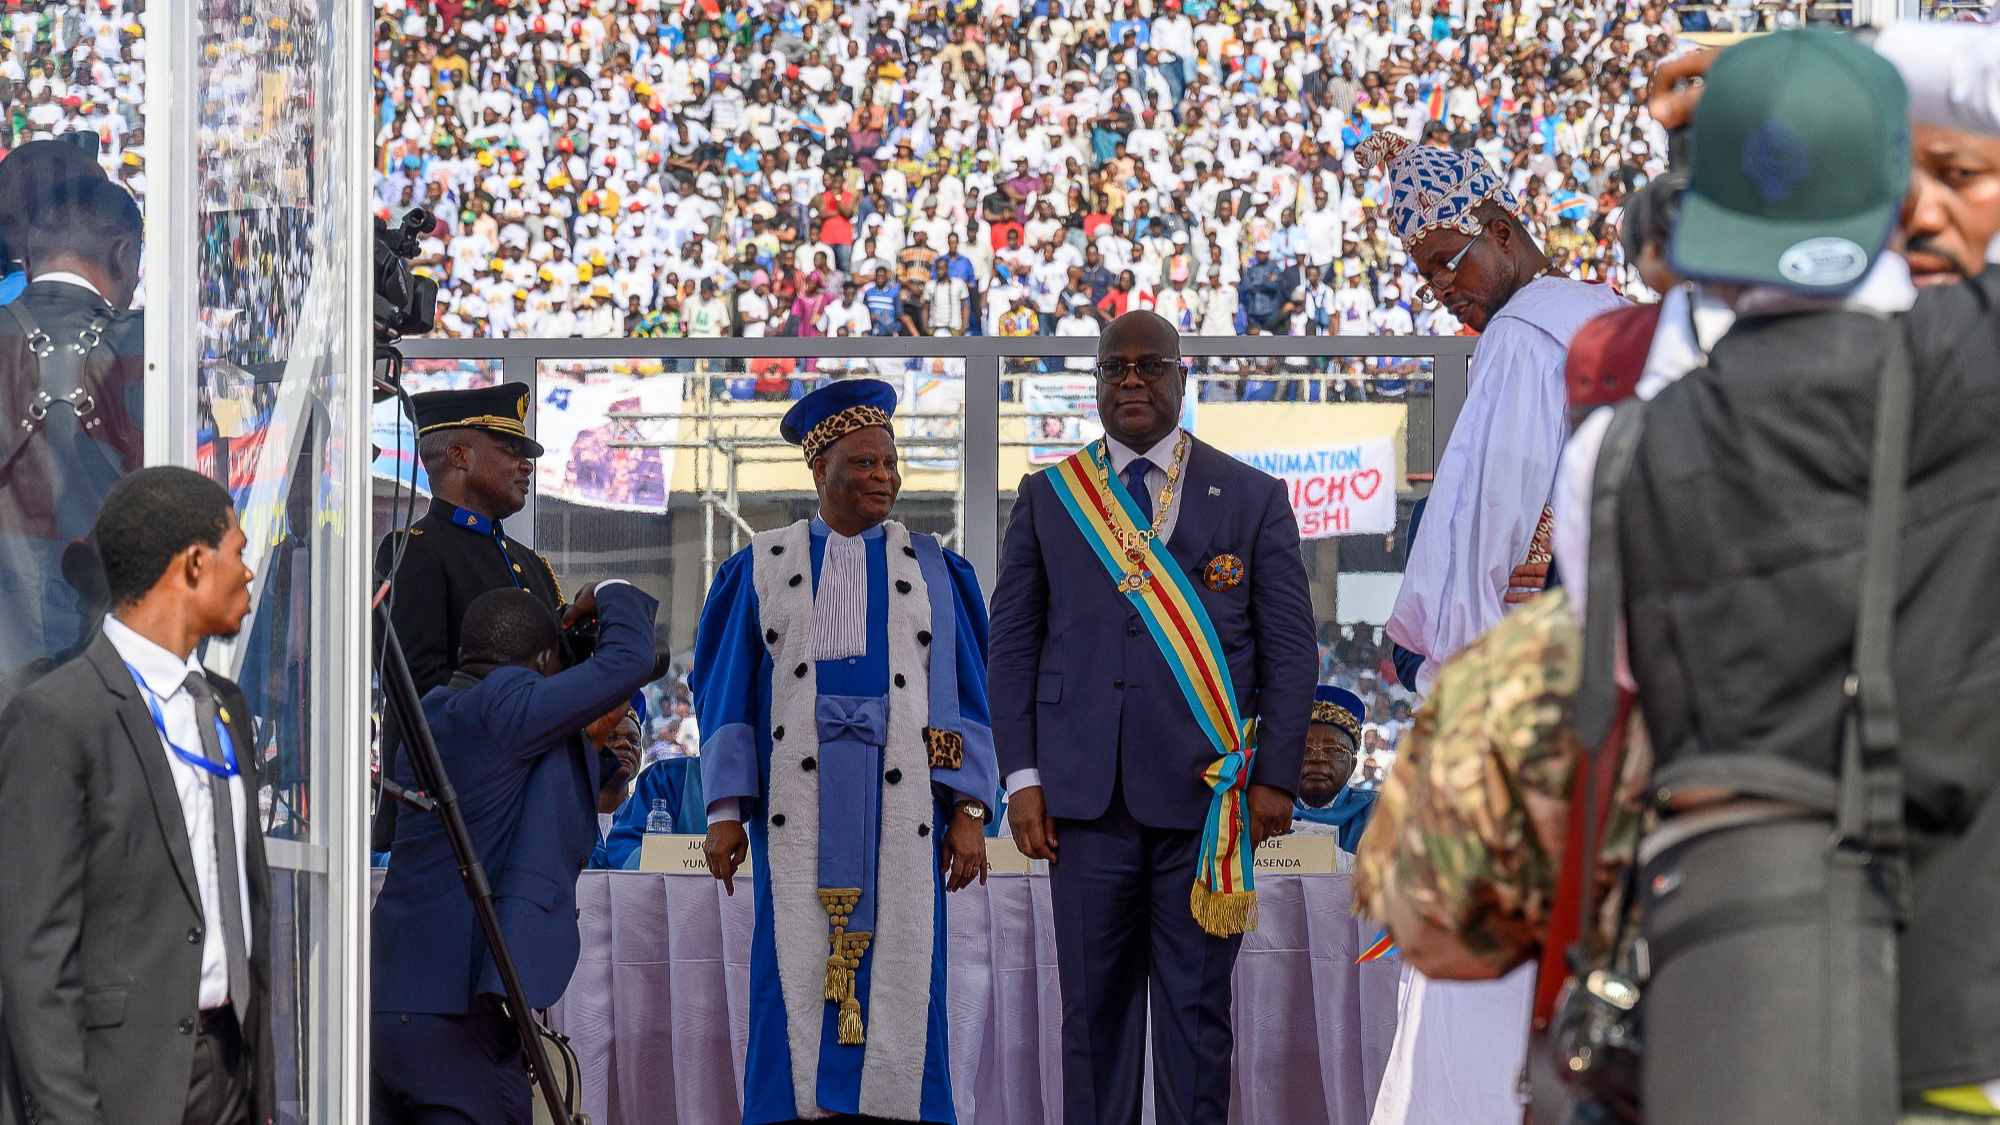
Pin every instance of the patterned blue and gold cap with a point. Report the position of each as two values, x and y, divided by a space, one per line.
1431 187
1341 708
836 410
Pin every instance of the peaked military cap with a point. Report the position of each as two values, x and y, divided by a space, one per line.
501 409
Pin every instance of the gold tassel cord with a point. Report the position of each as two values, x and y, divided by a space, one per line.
850 1023
1224 914
844 952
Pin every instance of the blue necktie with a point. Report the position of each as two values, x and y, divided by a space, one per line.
1135 483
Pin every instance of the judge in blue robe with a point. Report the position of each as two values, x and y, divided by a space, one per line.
839 680
1326 806
674 780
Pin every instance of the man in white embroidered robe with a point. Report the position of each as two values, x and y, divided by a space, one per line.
1485 533
839 681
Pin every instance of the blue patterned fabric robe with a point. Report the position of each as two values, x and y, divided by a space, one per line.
732 682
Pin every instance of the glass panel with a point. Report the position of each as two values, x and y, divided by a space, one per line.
271 422
658 471
298 975
395 439
67 71
275 395
1341 433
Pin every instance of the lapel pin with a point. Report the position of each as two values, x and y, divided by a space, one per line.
1214 491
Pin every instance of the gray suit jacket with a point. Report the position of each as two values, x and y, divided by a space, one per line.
100 914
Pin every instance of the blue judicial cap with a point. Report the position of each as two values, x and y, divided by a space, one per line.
1340 707
499 409
836 410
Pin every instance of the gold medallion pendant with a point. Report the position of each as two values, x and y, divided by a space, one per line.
1134 542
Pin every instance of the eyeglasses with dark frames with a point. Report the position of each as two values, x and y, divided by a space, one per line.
1150 370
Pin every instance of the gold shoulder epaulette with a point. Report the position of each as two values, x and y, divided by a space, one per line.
552 577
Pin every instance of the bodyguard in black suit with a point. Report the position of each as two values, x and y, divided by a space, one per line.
475 448
135 920
1101 753
509 730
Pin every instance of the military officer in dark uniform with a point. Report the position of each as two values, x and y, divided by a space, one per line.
475 447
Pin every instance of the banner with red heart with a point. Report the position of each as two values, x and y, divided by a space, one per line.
1336 490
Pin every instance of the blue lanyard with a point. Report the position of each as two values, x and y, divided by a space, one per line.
228 768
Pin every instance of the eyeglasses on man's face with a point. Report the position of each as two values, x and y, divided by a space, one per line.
1443 278
1150 370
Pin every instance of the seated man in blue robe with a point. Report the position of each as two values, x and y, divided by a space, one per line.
1327 805
839 682
677 781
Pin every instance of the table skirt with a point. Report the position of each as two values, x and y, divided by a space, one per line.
658 1009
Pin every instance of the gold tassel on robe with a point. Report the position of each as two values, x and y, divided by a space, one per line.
844 952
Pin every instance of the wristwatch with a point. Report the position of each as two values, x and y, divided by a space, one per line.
973 809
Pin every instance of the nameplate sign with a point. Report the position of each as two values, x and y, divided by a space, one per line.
1298 855
1283 855
679 854
1003 856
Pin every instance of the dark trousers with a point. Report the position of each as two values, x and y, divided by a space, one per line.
217 1094
1120 891
448 1070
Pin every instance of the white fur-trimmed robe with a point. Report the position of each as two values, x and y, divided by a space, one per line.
906 865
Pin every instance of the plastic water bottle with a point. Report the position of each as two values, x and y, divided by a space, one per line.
660 822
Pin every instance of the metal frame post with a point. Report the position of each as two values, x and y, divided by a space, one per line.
173 235
352 140
979 469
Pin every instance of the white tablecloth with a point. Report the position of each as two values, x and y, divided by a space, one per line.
657 1010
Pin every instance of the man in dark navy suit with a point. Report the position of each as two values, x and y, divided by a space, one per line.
509 729
1102 755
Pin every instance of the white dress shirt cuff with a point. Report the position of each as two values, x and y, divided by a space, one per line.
724 809
1023 779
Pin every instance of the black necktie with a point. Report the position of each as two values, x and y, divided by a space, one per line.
228 891
1135 483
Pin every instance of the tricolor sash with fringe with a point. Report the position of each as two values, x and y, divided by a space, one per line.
1224 898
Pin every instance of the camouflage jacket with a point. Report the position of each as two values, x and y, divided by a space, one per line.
1461 860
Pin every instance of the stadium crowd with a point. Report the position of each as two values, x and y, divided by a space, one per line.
636 167
697 168
69 67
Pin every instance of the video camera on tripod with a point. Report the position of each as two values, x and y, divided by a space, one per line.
405 300
406 305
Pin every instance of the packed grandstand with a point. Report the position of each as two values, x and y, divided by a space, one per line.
709 168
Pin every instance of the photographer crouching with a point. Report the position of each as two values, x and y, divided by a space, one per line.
509 731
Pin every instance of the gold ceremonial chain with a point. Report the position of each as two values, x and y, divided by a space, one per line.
1134 544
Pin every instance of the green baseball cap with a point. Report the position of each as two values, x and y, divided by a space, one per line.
1801 162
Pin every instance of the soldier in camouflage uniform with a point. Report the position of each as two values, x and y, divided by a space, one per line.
1461 862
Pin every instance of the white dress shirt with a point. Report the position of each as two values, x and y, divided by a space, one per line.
840 602
67 278
1122 455
162 673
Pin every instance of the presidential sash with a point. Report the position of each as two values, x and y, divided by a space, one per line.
1224 898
